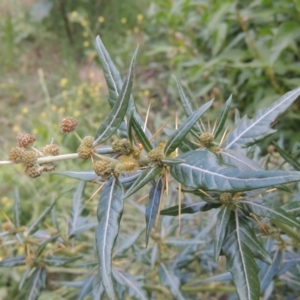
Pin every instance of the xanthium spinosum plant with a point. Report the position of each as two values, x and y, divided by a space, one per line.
210 164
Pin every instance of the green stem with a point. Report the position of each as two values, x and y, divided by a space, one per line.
288 230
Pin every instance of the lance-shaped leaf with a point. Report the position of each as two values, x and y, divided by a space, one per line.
240 262
172 161
42 246
18 260
268 210
288 158
114 80
221 226
191 208
179 134
146 176
139 132
153 205
133 286
109 215
169 279
185 144
113 121
268 272
186 103
250 131
238 160
202 170
37 282
292 208
76 219
57 261
17 208
35 225
81 175
223 117
86 288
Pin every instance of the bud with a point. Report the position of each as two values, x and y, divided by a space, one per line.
123 146
87 141
226 198
29 158
25 140
103 168
34 171
206 138
157 154
51 149
15 155
84 152
68 124
126 164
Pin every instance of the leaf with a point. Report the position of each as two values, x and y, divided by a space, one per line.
17 208
191 208
76 219
289 159
146 176
241 263
169 279
292 208
18 260
37 282
183 241
127 243
238 160
34 226
81 175
141 136
118 112
268 210
172 161
268 272
179 134
114 81
223 117
42 246
57 261
202 170
109 215
250 131
104 149
134 287
86 288
185 102
221 226
153 205
83 228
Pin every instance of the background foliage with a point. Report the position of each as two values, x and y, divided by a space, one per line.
49 69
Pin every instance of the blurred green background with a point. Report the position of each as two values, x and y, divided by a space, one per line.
49 69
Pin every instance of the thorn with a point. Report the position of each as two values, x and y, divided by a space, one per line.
98 190
158 131
141 199
147 116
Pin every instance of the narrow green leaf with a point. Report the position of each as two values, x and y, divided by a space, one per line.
109 215
42 246
238 160
191 208
34 226
179 134
202 170
76 219
81 175
37 282
268 210
223 117
241 263
134 287
82 228
221 226
130 127
183 242
128 242
169 279
185 102
292 208
113 121
140 134
250 131
17 207
18 260
104 149
172 161
146 176
24 277
153 205
86 288
57 261
288 158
